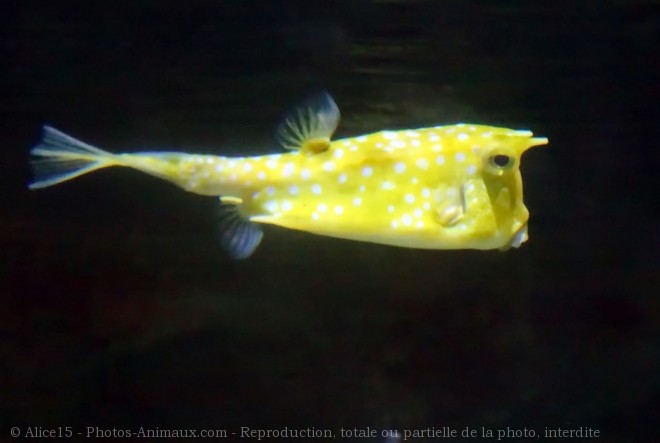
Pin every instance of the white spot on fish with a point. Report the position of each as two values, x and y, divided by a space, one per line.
342 178
306 174
270 190
426 193
271 164
395 224
462 136
315 216
390 208
410 198
390 135
218 167
475 149
233 177
415 143
316 189
231 164
286 205
422 163
399 167
354 147
450 131
362 188
487 134
398 144
414 180
328 166
271 206
339 210
434 138
437 148
287 170
419 224
412 134
293 190
459 156
261 175
471 169
367 171
339 153
361 138
247 167
406 220
387 185
440 159
357 201
426 206
322 207
418 213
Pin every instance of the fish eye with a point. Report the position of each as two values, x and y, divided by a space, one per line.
500 160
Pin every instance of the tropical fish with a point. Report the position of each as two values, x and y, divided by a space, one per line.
442 187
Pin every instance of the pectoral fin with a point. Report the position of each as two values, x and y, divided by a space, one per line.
449 205
238 236
466 205
310 126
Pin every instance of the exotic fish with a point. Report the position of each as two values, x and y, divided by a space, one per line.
442 187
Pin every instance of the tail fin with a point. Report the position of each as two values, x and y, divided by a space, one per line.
63 157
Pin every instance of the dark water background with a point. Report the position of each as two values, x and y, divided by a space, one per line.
119 310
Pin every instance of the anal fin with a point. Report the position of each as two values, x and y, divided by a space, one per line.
238 236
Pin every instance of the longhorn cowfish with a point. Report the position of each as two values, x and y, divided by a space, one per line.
442 187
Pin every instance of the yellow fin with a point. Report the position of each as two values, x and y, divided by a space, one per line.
228 199
449 205
316 145
310 126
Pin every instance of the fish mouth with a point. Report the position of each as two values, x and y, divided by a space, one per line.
518 238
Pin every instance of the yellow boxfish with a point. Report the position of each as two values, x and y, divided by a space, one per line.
442 187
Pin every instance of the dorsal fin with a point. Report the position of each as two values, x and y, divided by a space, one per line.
238 236
309 126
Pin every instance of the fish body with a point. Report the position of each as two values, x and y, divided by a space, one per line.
443 187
